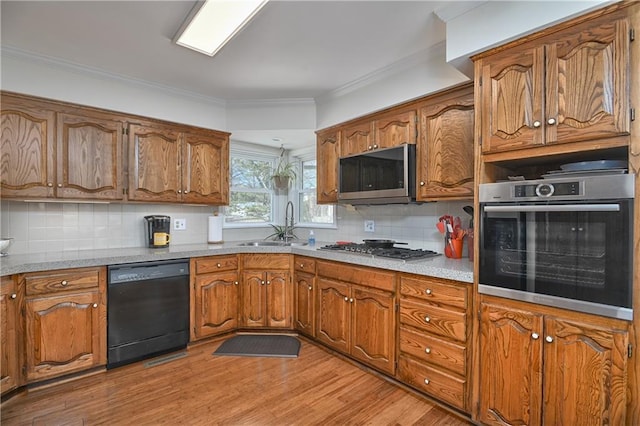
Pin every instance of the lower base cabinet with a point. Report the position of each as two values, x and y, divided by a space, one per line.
304 281
11 302
65 322
356 313
541 368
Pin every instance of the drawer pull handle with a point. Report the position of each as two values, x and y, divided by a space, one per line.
219 265
427 319
426 381
95 305
428 292
64 282
535 336
13 296
427 350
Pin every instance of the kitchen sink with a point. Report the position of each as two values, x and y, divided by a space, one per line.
272 243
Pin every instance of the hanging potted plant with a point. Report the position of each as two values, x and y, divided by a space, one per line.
284 174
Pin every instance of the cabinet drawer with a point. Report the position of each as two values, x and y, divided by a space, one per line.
433 381
434 319
64 280
434 350
304 264
368 277
434 291
265 261
207 265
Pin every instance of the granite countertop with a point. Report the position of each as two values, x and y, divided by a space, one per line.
440 266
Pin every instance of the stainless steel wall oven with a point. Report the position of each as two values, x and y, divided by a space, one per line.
565 242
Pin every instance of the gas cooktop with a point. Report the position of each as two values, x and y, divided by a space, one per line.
388 253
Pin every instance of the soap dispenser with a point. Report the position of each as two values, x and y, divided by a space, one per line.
312 238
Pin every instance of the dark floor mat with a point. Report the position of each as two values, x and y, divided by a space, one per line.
261 345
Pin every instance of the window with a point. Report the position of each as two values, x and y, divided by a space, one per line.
251 197
310 213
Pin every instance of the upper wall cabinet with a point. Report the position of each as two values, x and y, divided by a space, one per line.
569 86
328 153
379 131
28 149
445 147
171 166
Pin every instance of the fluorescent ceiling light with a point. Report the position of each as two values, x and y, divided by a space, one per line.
217 22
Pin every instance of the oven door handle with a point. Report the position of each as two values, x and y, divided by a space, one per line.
555 208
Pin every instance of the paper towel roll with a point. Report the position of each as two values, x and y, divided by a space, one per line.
215 229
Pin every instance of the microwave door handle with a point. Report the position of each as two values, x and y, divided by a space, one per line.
555 208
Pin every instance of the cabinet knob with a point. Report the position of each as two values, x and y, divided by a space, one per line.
370 147
179 191
351 300
427 350
186 192
95 305
310 288
549 339
235 282
535 336
346 299
59 185
421 183
219 265
428 292
426 381
551 121
13 296
262 282
536 124
375 146
49 184
427 319
268 282
64 283
302 265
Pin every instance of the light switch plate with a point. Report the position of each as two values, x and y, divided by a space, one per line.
179 224
369 226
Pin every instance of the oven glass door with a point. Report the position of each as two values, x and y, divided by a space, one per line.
578 251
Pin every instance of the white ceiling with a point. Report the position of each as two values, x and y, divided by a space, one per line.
290 50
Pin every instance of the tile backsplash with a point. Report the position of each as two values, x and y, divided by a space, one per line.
49 227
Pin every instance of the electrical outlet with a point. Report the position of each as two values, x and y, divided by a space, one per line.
369 226
179 224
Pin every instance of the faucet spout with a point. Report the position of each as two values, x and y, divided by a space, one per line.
288 222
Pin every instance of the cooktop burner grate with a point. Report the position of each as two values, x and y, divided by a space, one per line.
388 253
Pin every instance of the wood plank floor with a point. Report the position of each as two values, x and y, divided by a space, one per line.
201 389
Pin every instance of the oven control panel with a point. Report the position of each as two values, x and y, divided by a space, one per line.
545 190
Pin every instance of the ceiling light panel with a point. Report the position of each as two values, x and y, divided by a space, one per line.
217 22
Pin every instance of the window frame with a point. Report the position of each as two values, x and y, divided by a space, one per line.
297 190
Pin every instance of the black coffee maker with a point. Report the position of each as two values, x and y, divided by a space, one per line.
158 229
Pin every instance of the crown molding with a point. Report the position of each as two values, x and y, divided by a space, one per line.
268 102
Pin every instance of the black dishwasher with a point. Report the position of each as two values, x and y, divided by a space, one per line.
147 310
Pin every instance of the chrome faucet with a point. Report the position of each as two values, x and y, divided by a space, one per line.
288 223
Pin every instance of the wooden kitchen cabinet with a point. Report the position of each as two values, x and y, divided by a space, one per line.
266 292
435 337
214 297
304 281
445 150
356 313
11 333
28 148
570 86
168 164
328 161
357 137
539 368
381 130
65 322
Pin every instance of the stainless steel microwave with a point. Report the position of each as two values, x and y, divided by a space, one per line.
564 242
381 176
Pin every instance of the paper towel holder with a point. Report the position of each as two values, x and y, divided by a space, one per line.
214 234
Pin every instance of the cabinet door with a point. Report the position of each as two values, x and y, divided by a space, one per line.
587 83
154 164
510 366
356 138
373 328
27 168
205 169
395 129
445 150
89 157
303 305
10 332
279 296
216 303
512 93
253 299
584 374
328 153
333 314
64 335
